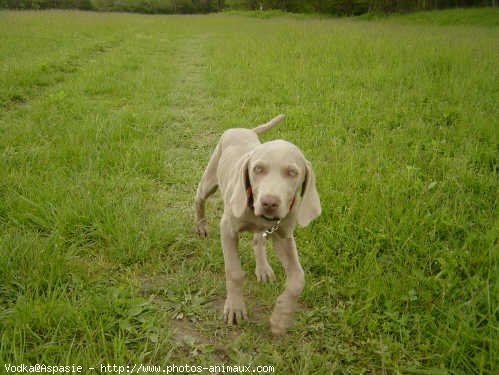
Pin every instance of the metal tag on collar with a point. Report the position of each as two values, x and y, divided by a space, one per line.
274 228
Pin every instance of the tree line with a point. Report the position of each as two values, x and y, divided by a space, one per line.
337 7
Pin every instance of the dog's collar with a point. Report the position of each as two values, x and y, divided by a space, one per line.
249 196
273 229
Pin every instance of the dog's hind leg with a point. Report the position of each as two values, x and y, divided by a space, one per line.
207 186
263 271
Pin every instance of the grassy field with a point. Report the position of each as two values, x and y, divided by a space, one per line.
472 16
106 124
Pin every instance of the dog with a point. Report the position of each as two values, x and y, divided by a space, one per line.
267 189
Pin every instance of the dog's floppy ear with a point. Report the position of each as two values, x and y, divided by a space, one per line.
310 206
239 198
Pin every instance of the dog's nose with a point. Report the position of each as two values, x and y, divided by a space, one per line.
270 202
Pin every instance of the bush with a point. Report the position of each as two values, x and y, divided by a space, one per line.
338 7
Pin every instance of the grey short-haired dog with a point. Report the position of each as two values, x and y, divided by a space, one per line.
267 189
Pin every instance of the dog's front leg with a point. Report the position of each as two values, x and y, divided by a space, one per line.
234 309
282 316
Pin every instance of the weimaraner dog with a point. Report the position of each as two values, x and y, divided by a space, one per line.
267 189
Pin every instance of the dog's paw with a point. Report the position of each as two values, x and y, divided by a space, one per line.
282 316
234 310
278 325
202 228
264 273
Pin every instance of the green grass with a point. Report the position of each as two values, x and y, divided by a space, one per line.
106 124
473 16
275 13
458 16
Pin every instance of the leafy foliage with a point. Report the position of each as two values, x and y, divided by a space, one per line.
337 7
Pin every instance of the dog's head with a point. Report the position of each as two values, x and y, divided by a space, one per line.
274 179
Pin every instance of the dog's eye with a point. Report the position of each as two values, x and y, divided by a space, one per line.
258 169
292 172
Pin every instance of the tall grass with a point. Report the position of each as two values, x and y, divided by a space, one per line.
107 122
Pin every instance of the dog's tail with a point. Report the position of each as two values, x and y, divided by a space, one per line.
268 125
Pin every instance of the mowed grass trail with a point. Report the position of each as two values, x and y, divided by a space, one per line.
108 120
